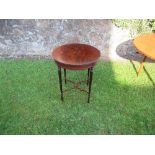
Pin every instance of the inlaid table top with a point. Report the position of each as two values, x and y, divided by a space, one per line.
146 44
76 56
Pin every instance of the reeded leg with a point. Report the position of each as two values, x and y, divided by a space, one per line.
88 76
141 66
90 82
65 75
60 82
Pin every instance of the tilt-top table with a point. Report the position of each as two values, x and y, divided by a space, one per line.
76 57
145 45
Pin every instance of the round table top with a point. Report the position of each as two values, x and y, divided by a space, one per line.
146 44
76 54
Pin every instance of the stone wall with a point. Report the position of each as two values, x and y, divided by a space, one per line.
28 37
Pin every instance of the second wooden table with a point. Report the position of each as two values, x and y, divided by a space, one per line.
145 45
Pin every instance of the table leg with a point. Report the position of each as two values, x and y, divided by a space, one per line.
65 75
88 76
90 82
60 82
141 66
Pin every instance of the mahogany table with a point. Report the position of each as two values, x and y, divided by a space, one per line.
146 45
76 57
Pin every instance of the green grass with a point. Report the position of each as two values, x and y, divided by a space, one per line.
120 103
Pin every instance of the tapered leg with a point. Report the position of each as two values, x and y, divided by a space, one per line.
60 82
88 76
141 66
90 82
65 75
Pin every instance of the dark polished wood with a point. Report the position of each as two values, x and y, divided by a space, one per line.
90 82
88 76
76 57
60 82
65 75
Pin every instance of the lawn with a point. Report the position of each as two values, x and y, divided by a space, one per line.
120 102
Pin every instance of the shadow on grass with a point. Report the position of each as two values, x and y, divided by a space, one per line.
30 101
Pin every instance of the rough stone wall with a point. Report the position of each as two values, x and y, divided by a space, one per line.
28 37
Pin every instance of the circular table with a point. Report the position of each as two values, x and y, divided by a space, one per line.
76 57
145 45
